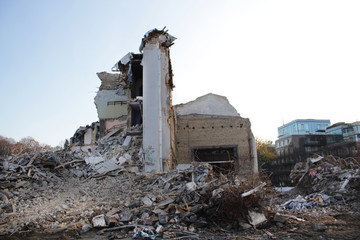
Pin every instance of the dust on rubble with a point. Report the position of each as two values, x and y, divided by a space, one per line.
107 195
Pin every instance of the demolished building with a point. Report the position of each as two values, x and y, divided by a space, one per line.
208 129
111 102
85 137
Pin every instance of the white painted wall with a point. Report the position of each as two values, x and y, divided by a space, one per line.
156 130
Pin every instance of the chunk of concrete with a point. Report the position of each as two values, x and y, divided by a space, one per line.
99 221
106 166
126 218
182 167
147 201
94 159
165 202
127 142
113 211
121 160
191 186
127 156
256 218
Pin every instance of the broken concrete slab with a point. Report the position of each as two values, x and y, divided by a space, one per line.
191 186
99 221
315 160
166 202
121 160
107 166
94 160
127 142
115 130
182 167
113 211
126 218
256 218
147 201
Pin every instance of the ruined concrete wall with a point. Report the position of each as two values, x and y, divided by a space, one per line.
110 104
209 104
111 101
194 131
157 88
110 81
114 123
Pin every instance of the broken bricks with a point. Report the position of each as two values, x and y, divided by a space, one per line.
113 198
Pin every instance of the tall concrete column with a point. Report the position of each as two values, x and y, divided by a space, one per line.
156 99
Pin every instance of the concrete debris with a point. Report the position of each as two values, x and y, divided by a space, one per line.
94 160
256 218
106 166
144 234
176 204
309 201
146 201
108 189
99 221
85 136
110 81
329 176
127 142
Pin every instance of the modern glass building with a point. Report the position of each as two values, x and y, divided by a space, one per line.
297 140
303 127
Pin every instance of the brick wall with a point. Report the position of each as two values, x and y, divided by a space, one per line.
194 131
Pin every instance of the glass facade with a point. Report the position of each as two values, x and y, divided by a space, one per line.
303 127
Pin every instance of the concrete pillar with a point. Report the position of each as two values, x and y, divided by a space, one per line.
156 99
254 154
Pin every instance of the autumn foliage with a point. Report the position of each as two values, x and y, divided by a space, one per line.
265 152
9 146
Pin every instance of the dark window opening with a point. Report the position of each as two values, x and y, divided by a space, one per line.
136 79
224 157
116 103
136 113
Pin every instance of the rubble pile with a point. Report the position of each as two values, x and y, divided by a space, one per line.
337 179
17 170
106 190
309 201
325 201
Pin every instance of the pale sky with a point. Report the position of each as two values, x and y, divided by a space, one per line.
275 61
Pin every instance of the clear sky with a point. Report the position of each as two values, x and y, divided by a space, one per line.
275 61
